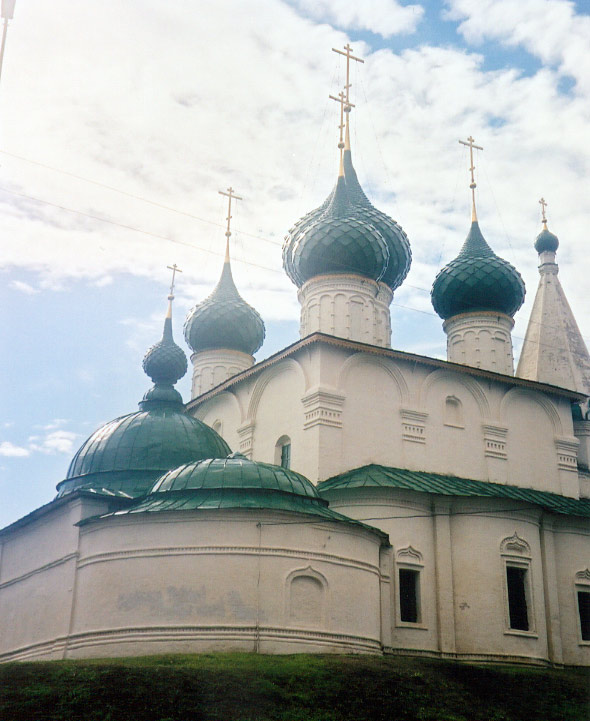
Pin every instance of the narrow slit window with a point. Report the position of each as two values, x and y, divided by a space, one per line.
516 582
584 611
409 601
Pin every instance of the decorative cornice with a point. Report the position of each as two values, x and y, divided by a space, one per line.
256 550
495 441
356 346
323 407
413 425
246 436
583 575
567 453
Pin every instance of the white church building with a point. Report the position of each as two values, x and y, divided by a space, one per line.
340 496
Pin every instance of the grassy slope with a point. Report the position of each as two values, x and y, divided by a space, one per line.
248 687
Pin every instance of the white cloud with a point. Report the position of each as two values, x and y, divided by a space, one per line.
247 105
23 287
59 441
382 17
549 29
8 449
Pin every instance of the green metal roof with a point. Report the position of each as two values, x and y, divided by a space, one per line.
130 453
238 483
235 472
385 477
127 455
347 234
477 280
224 320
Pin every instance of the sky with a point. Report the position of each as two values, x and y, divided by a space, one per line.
120 122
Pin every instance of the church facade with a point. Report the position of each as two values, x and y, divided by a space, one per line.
340 496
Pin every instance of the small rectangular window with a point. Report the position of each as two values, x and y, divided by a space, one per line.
409 599
286 455
516 582
584 611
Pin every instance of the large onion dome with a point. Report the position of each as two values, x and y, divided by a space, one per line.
224 320
346 234
477 280
546 240
236 482
128 454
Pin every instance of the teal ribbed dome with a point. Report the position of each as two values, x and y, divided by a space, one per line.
346 234
238 483
235 473
477 280
224 320
546 240
131 452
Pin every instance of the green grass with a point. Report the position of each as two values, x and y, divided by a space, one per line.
249 687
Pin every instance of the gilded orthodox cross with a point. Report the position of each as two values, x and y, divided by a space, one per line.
230 195
543 203
471 144
175 269
349 56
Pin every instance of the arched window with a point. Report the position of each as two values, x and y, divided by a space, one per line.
453 412
283 452
218 427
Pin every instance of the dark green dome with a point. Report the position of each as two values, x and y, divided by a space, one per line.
131 452
346 234
546 241
235 472
238 483
477 280
224 320
165 362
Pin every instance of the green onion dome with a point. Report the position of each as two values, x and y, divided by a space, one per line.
477 280
346 234
546 240
224 320
128 454
237 483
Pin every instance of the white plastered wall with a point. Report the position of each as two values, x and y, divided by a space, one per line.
343 410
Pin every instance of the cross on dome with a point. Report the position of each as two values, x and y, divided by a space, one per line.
230 195
470 143
175 269
543 203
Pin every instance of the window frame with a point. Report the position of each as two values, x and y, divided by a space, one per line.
516 553
409 559
581 585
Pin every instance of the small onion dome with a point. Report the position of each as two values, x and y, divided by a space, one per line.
224 320
346 234
546 240
477 280
237 483
165 362
128 454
